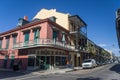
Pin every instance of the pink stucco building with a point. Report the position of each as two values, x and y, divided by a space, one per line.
34 43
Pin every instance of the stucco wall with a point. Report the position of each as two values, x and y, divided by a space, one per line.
62 19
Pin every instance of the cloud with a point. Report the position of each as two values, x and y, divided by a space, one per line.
102 45
115 49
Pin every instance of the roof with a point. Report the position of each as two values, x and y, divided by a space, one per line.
35 23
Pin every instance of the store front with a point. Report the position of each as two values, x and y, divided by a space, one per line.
46 58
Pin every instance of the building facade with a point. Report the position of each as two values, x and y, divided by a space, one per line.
34 43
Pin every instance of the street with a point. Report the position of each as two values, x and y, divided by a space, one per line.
106 72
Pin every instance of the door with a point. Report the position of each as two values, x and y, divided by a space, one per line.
12 61
5 62
31 61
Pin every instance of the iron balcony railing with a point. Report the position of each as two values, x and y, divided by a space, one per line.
42 42
80 33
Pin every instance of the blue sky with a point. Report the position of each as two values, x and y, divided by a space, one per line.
98 14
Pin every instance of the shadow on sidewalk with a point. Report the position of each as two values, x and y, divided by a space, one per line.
116 68
10 73
89 78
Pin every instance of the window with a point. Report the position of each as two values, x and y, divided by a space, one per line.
5 61
36 35
0 43
31 61
14 40
12 61
7 43
54 36
63 38
26 38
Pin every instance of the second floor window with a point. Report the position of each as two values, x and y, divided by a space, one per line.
7 43
14 40
36 34
26 36
54 35
0 43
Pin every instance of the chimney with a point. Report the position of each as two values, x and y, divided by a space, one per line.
26 18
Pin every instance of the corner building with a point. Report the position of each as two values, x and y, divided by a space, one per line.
50 42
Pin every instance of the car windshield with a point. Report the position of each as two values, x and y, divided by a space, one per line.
85 61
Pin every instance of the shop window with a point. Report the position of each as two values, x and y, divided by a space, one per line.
5 61
58 60
63 61
38 61
31 61
47 60
12 61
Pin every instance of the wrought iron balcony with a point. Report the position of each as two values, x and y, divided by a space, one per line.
42 42
80 33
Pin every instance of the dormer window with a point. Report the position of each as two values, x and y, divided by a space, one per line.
53 18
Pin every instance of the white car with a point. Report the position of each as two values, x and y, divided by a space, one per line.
89 63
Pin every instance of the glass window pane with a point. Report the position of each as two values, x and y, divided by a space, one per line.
31 61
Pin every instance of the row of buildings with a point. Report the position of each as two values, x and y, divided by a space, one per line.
52 38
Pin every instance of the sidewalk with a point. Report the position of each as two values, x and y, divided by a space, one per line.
4 69
44 72
55 71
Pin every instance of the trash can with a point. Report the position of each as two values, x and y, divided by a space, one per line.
15 67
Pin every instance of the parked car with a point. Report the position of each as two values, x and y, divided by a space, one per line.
99 63
89 63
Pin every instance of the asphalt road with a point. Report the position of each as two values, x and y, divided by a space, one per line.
106 72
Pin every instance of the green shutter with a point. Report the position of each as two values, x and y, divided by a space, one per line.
14 40
54 34
36 35
26 36
0 44
7 43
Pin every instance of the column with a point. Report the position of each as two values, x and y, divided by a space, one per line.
35 61
72 57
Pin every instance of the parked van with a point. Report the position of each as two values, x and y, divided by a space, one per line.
89 63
